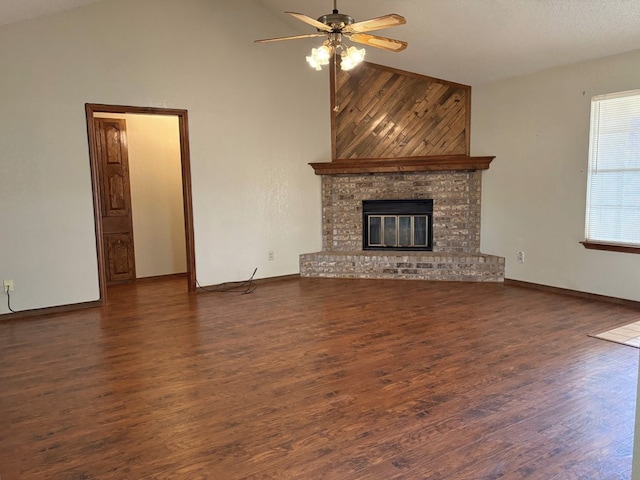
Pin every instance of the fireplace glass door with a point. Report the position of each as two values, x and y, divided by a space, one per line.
397 224
398 231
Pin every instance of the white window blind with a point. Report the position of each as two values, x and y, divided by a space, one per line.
613 189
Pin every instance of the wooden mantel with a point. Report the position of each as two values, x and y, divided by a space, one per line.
404 165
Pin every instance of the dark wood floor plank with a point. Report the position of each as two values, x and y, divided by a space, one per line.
317 378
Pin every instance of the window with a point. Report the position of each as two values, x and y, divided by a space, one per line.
613 188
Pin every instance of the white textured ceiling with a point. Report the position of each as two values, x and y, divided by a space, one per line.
467 41
479 41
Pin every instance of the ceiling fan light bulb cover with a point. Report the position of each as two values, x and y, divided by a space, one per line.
357 54
319 56
351 57
322 54
314 64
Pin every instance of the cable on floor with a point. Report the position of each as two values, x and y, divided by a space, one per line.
9 300
243 287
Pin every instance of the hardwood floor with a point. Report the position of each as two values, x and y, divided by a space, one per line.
319 379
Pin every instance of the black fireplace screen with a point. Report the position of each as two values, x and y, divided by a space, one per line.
397 225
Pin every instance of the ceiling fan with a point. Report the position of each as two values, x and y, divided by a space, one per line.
335 27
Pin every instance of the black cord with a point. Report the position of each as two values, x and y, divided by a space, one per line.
243 287
9 301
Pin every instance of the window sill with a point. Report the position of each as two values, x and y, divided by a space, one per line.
611 247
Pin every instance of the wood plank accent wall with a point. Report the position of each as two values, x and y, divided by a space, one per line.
383 113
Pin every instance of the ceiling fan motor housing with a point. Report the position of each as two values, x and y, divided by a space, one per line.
336 21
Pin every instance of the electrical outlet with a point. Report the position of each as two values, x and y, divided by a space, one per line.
7 286
520 257
271 256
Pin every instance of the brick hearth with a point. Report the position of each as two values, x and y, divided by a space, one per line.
456 222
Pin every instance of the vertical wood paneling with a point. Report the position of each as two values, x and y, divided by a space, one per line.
384 113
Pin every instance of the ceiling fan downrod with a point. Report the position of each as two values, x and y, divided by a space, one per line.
336 20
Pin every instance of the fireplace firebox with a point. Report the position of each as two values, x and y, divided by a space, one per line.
397 224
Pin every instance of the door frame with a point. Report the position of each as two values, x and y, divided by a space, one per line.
185 159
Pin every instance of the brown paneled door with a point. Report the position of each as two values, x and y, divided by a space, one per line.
115 198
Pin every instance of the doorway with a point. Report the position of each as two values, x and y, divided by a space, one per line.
105 244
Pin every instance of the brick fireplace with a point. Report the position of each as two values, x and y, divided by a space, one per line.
456 229
401 136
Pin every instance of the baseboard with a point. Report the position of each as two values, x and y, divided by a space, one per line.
38 312
507 281
573 293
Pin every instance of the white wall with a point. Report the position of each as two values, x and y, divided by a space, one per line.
156 195
153 144
257 116
534 194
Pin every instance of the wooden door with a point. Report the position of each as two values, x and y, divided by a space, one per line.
115 195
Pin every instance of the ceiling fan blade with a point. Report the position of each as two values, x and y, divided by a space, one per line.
310 21
378 23
293 37
379 42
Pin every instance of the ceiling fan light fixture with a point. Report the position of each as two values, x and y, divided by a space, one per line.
351 57
336 26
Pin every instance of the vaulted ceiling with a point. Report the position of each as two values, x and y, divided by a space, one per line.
479 41
12 11
467 41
